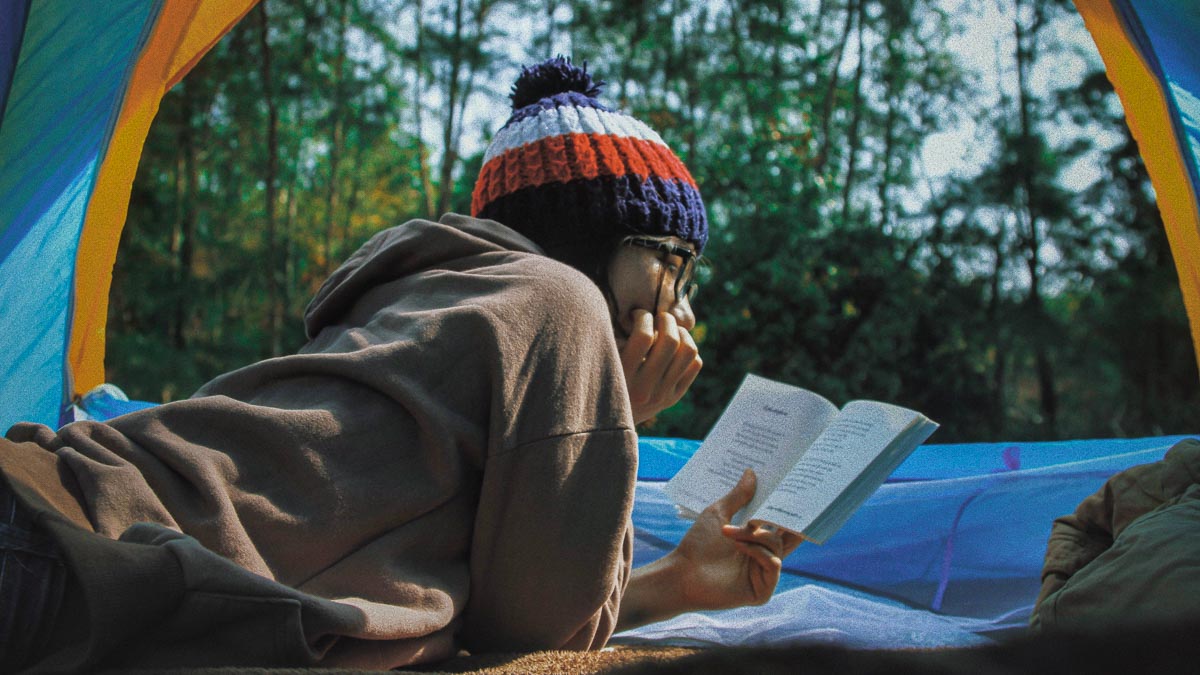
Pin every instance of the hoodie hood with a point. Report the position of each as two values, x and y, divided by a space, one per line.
404 250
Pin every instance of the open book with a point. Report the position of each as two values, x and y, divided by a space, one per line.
815 464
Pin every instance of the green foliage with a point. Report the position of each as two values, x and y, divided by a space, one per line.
1002 303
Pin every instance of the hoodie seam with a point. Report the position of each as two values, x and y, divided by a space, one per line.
568 434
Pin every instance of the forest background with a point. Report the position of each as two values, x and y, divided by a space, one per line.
1029 293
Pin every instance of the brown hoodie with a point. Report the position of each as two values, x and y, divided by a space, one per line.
448 463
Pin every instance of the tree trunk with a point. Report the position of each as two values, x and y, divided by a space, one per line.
831 91
692 89
273 267
336 135
183 244
999 345
419 108
759 122
289 202
635 37
453 73
855 121
459 88
353 194
551 6
886 217
1026 40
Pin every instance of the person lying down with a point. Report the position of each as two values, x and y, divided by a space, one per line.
448 464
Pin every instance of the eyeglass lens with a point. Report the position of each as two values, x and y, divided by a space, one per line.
685 279
685 282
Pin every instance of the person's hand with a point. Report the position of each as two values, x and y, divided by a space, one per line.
660 361
724 566
715 566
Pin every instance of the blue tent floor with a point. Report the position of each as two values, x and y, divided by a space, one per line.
947 553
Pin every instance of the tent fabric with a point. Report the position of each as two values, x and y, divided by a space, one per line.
103 403
47 169
12 28
85 82
815 613
948 552
1148 47
185 30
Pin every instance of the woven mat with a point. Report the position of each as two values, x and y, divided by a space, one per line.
560 662
531 663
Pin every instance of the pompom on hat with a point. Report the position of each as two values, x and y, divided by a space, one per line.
573 175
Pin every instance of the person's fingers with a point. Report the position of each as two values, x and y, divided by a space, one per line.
782 542
681 368
791 541
660 360
754 533
685 354
768 539
735 499
763 581
639 342
666 343
733 531
689 377
759 554
762 573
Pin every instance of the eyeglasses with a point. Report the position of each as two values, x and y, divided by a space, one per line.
685 277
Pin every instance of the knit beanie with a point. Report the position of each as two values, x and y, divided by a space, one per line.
576 176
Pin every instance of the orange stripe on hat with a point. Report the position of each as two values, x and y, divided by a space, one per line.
594 155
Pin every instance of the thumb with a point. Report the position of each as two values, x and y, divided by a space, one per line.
739 496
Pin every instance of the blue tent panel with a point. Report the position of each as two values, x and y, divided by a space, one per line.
958 530
12 30
34 311
62 103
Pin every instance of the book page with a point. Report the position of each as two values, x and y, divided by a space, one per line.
765 427
860 432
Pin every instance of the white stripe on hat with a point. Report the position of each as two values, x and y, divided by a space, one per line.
561 120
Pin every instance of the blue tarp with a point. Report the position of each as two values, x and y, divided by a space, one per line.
951 546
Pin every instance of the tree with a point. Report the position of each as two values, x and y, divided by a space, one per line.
1002 301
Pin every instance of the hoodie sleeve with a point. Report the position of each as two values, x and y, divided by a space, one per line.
552 542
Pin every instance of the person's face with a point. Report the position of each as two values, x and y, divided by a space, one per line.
643 278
